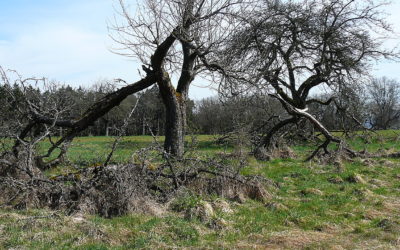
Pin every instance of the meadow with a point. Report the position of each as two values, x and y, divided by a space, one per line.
353 204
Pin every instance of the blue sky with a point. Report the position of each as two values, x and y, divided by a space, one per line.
67 40
62 40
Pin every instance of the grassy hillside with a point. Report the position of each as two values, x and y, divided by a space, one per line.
343 205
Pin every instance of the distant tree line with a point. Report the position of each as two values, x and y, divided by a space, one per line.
375 106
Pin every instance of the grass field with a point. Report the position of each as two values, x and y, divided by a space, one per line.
354 206
90 150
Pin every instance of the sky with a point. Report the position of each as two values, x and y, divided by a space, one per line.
67 41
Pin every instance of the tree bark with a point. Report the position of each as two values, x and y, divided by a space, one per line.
175 124
175 127
175 102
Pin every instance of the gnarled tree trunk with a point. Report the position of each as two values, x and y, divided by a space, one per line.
175 127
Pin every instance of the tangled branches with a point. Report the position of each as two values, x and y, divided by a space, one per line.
119 189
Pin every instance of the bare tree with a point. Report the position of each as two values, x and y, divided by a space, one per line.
171 39
27 102
384 101
289 48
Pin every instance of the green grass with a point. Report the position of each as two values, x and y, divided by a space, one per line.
315 207
95 149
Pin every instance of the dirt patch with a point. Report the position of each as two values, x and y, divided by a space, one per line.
296 239
391 206
373 214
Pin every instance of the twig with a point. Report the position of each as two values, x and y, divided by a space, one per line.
121 133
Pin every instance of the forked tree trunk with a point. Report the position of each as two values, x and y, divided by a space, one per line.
175 124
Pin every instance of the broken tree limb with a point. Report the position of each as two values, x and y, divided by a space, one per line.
99 109
328 135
